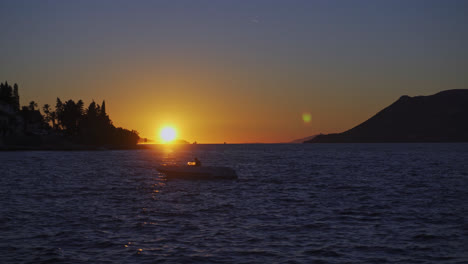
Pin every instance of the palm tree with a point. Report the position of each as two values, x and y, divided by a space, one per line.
50 116
46 110
32 105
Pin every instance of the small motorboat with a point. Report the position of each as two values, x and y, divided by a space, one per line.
198 172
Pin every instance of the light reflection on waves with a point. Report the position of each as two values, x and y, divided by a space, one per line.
346 203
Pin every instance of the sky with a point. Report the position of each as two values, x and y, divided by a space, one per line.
234 71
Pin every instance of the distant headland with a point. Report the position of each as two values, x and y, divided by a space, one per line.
67 127
442 117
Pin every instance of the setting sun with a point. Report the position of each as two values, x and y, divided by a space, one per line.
168 134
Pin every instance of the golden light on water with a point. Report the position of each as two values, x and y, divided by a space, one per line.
167 134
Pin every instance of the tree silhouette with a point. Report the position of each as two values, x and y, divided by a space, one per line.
46 110
90 126
70 116
50 116
59 113
16 97
6 93
32 106
103 109
91 111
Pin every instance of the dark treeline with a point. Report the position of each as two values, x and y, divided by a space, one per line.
87 126
68 120
9 95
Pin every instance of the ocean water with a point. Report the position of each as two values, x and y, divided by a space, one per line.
321 203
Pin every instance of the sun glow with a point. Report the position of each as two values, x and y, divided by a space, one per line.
167 134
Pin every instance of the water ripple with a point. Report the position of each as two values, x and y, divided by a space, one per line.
325 203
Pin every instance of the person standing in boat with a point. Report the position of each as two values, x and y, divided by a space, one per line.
197 162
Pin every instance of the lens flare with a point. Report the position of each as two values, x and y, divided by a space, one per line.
306 117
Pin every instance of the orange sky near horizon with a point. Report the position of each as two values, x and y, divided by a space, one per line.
211 104
234 71
236 113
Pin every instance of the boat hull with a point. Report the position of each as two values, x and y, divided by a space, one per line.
198 173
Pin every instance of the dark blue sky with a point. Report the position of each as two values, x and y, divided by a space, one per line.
259 64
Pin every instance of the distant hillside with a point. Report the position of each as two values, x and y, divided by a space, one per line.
302 140
442 117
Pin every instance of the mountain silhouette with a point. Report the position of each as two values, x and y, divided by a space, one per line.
302 140
442 117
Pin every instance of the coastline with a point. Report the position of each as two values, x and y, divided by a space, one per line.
72 148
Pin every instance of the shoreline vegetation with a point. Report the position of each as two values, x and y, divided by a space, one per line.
67 126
